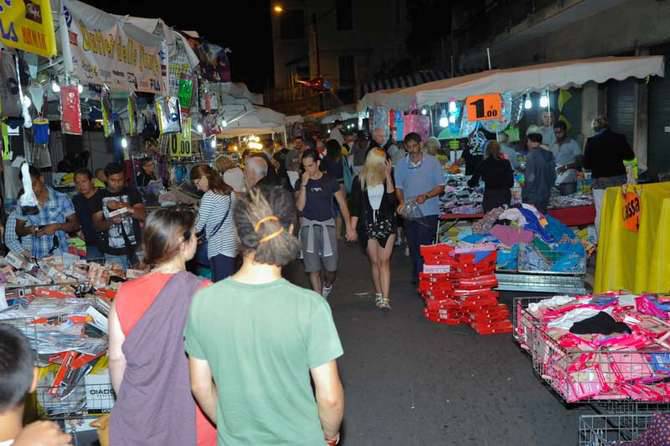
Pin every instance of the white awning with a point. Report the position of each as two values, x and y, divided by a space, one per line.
532 78
254 121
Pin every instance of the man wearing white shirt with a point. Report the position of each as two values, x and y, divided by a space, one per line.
568 159
336 132
547 129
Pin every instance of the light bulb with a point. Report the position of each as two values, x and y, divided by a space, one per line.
27 102
444 120
55 87
452 107
544 101
224 123
528 104
424 111
212 143
124 143
199 128
80 88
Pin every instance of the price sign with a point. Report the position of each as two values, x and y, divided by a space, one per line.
179 144
486 107
631 209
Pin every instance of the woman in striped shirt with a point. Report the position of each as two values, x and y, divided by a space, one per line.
216 218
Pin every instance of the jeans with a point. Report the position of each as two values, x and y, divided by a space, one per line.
420 232
121 260
221 267
93 253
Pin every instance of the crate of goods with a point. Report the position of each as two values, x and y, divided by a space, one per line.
458 289
613 347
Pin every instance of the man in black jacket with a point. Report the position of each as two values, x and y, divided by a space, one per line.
604 155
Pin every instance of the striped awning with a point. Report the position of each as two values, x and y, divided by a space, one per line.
410 80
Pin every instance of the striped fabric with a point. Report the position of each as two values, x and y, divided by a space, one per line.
410 80
213 208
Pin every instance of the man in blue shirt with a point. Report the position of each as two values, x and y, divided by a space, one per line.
419 177
49 227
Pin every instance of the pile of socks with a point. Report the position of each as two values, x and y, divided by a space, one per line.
458 289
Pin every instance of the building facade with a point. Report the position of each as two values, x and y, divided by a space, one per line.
525 32
344 41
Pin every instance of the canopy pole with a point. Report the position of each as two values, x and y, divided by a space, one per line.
488 56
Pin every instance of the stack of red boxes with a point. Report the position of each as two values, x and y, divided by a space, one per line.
458 289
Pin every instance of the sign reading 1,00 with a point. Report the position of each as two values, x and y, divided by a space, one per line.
484 107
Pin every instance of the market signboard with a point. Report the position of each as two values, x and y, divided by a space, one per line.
631 209
485 107
179 145
105 50
28 25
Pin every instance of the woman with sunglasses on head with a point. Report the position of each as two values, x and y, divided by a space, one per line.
216 219
147 363
255 339
373 213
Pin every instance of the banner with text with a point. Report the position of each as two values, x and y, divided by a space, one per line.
28 25
105 50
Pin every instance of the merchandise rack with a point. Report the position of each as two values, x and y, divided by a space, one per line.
541 283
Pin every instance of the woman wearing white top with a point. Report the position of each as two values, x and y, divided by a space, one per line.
373 214
215 217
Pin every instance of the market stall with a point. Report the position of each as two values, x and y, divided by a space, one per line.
634 244
465 109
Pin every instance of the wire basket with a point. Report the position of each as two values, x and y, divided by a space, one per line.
591 376
525 324
79 401
608 430
535 260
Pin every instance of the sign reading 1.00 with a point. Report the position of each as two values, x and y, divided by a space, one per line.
485 107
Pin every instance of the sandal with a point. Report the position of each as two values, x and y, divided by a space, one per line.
379 300
386 304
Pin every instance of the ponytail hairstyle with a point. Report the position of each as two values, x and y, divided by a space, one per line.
263 217
164 232
214 179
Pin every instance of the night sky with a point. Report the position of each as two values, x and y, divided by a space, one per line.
244 28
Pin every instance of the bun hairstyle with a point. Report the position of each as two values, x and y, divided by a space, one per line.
164 232
263 217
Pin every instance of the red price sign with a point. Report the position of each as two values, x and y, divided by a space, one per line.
485 107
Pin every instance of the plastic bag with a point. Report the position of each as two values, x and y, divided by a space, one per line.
410 210
28 200
168 113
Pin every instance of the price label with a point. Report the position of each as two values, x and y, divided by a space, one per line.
179 144
486 107
631 210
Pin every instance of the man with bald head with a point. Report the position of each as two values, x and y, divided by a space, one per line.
255 170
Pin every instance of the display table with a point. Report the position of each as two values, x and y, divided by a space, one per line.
635 261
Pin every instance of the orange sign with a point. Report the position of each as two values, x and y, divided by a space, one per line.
485 107
631 209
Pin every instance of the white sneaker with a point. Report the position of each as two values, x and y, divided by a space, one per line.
326 290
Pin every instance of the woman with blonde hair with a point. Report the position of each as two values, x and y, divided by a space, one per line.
374 216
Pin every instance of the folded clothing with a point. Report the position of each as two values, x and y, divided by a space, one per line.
510 236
